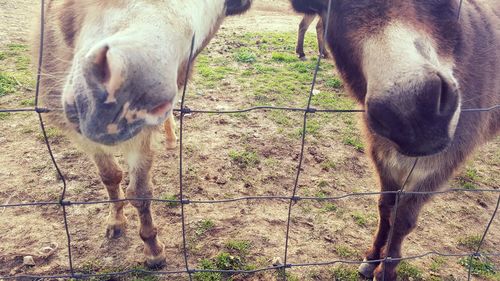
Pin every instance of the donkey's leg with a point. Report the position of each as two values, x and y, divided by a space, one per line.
111 176
140 160
320 33
171 138
304 25
385 205
406 220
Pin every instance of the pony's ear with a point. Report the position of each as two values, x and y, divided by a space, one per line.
234 7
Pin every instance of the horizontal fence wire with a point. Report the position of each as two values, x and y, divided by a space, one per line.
184 201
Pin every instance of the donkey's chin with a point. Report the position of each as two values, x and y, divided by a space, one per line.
423 149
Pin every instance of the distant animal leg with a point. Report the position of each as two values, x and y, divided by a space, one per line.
320 33
111 176
304 25
140 161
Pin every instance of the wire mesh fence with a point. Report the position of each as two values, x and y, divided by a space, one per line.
183 201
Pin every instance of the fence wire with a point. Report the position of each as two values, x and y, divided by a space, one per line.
184 201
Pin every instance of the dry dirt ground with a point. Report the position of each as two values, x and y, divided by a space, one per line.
319 231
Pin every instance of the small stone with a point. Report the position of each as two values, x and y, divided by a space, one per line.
28 261
221 181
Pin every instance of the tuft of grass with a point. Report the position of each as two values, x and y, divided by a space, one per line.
284 57
171 198
52 134
245 158
17 48
345 252
223 261
437 263
3 55
328 165
360 219
334 83
203 227
480 266
344 273
329 208
7 84
407 271
4 115
470 242
245 55
28 102
242 247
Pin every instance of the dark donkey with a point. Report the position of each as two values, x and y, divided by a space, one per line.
413 66
111 71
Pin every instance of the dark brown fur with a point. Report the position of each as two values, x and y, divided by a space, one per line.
474 45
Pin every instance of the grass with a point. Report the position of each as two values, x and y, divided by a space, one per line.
437 264
470 242
344 273
15 70
245 55
345 252
360 219
244 158
171 198
203 227
53 134
329 208
8 84
4 115
241 247
408 271
480 266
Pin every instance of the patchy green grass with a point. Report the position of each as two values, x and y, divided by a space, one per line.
244 158
53 134
8 84
480 266
329 208
245 55
437 264
345 273
408 271
241 247
203 227
360 219
223 261
4 115
470 242
15 70
171 198
345 252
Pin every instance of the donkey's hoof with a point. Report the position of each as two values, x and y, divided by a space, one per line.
114 231
367 269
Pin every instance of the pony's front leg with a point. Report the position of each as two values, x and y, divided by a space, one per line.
140 160
111 176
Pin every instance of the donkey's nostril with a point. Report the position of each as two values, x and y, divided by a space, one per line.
162 109
448 99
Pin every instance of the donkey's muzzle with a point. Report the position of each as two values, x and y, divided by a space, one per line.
418 118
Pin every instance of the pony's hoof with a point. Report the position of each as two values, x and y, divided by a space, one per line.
171 145
158 262
366 269
114 231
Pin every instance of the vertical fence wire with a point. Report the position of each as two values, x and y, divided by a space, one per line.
39 112
394 215
308 110
477 253
181 156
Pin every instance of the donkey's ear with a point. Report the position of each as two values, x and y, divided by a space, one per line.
234 7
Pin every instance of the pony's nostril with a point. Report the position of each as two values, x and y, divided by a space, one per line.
101 65
161 109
